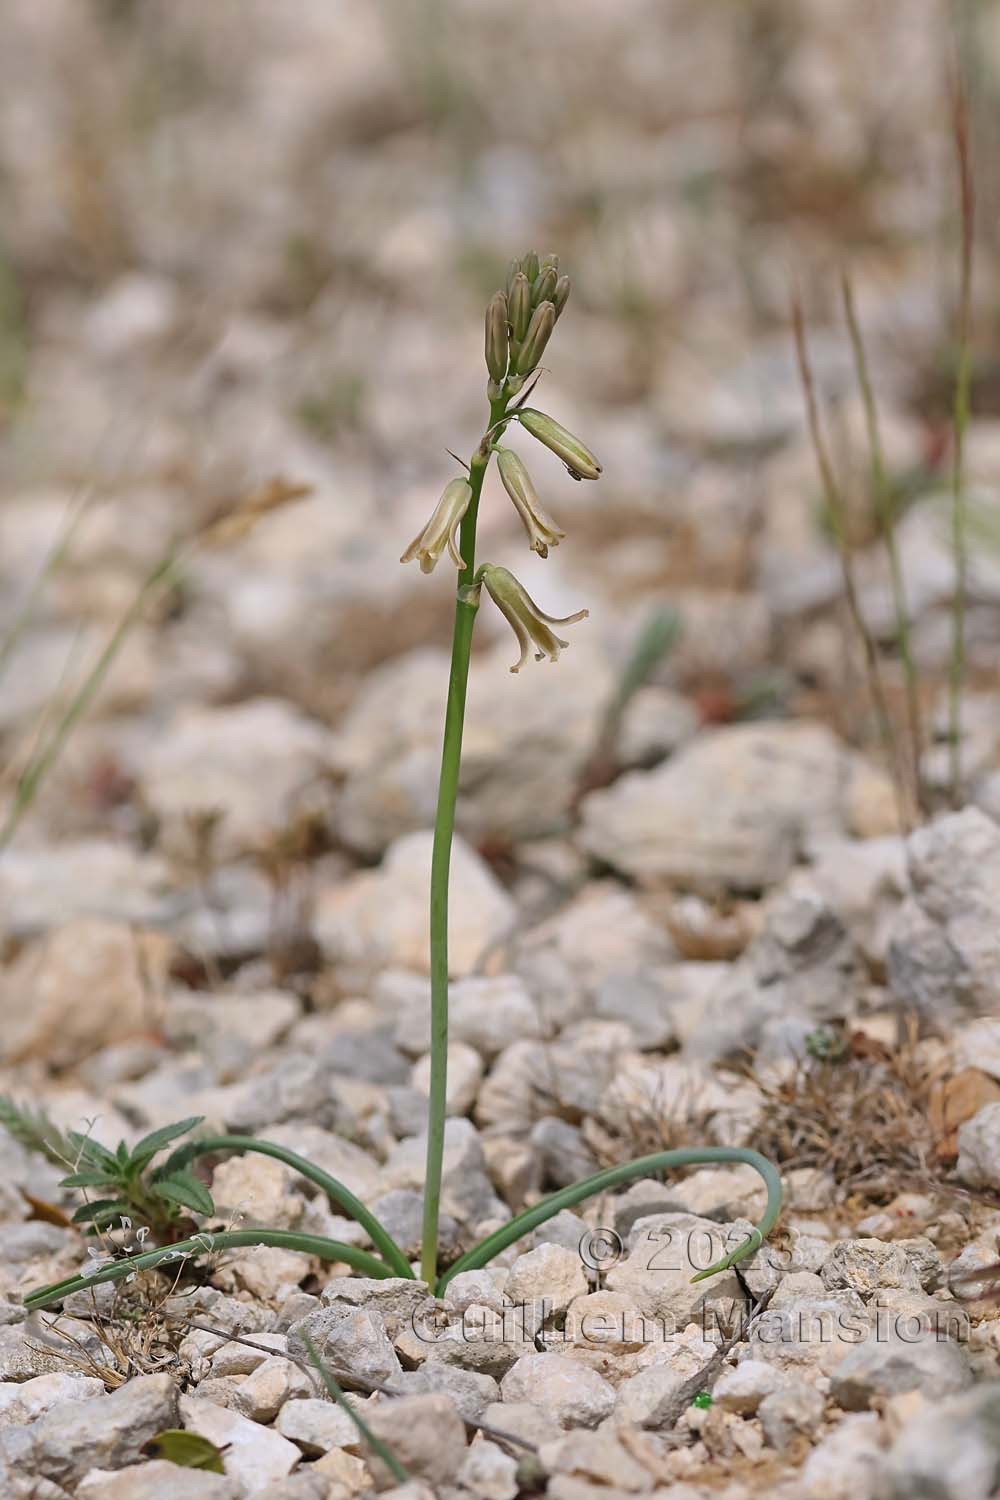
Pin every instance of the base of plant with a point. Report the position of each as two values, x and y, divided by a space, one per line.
394 1263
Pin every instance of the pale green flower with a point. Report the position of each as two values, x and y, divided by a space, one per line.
530 624
442 528
542 530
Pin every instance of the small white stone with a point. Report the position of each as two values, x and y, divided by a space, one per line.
263 1393
742 1388
549 1275
569 1392
315 1425
865 1266
488 1472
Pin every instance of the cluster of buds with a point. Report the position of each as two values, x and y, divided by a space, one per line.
519 324
520 320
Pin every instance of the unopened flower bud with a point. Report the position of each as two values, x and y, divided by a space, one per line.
561 294
544 285
520 306
496 337
550 260
530 624
579 460
442 528
512 270
543 532
543 320
529 265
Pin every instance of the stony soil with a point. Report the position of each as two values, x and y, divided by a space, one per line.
246 244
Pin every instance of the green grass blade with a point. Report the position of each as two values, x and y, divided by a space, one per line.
376 1444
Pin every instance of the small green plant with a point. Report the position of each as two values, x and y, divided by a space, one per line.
157 1196
520 321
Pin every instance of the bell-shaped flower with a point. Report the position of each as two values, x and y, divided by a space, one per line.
442 528
531 625
543 532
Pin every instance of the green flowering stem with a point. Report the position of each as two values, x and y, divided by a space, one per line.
643 1166
209 1244
339 1194
444 830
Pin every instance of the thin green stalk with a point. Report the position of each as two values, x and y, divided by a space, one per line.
340 1195
380 1449
643 1166
41 763
209 1244
54 558
960 422
444 829
887 526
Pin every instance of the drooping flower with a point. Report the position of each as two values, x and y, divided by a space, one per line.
542 530
579 460
530 624
442 528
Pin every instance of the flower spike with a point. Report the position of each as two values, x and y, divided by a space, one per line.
529 623
442 528
542 530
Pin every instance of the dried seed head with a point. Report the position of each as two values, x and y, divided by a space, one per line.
520 306
530 625
543 320
542 530
442 528
544 285
496 337
579 460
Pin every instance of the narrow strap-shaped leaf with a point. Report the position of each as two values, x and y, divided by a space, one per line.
643 1166
337 1192
211 1244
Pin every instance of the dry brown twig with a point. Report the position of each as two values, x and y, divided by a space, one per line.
838 519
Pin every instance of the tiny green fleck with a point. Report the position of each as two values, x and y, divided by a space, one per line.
703 1400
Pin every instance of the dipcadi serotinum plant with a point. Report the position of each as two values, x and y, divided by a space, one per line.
520 321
